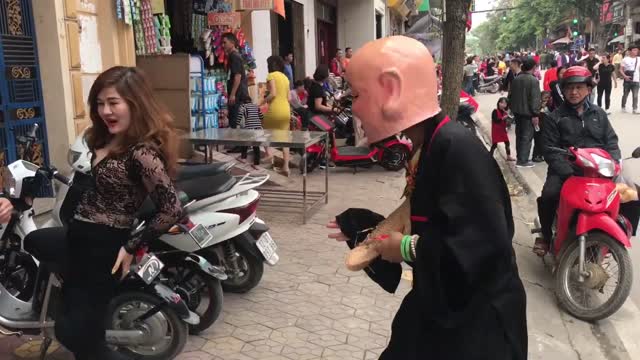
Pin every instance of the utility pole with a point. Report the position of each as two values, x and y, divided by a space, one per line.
628 29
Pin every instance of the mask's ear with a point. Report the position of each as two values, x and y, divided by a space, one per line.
390 83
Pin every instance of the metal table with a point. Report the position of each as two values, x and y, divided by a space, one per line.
272 197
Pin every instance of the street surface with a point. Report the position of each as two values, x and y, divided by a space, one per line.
310 307
626 322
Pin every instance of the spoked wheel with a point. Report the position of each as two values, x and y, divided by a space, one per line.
607 284
166 334
202 294
395 157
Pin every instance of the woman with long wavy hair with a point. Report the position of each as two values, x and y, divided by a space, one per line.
134 155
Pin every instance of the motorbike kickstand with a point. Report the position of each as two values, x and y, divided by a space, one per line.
44 347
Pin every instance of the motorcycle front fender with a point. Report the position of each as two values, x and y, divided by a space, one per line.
602 222
175 303
209 269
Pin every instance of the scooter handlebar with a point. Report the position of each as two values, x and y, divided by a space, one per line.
63 179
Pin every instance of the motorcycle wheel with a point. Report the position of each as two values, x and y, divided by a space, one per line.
194 287
170 328
19 280
312 162
395 157
494 88
567 286
252 269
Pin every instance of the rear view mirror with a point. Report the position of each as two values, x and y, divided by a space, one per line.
636 153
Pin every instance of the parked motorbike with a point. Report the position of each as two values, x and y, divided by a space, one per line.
591 238
391 153
220 244
145 319
489 84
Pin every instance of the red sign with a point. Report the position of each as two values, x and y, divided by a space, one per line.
224 19
606 12
256 5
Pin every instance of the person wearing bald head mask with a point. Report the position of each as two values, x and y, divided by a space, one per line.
467 300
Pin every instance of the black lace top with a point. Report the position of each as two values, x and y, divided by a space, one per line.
122 182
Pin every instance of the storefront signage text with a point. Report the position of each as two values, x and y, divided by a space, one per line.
256 5
224 19
26 113
20 72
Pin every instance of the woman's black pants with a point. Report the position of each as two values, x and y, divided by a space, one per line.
85 254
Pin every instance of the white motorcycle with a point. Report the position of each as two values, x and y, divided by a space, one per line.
145 319
220 244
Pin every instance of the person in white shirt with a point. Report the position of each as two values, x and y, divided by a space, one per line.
630 71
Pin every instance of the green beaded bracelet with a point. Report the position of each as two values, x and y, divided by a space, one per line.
405 248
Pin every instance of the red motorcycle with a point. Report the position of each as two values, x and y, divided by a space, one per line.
391 153
593 272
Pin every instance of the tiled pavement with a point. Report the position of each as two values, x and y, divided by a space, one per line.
308 306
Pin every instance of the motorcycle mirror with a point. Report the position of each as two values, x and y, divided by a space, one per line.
636 153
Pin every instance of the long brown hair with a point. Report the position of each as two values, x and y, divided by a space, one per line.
151 122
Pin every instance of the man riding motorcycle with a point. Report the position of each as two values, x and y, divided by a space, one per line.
575 123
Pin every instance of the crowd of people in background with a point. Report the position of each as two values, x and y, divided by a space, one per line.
527 104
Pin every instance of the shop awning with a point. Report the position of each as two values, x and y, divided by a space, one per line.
564 40
621 38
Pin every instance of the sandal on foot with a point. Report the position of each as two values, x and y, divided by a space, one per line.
540 247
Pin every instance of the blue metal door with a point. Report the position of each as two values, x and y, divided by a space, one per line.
21 103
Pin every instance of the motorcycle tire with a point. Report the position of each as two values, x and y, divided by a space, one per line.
210 286
179 328
395 157
570 256
253 271
494 88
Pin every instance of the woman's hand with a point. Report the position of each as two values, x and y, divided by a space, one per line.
5 210
339 236
388 246
123 261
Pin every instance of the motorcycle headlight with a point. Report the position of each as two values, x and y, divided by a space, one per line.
8 182
73 156
606 167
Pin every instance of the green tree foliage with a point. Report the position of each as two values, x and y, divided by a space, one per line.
530 20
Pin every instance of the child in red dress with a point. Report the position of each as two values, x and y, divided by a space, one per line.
499 128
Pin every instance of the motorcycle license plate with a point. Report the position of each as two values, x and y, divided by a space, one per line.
149 268
268 248
200 235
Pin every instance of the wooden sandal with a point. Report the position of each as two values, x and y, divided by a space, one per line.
540 247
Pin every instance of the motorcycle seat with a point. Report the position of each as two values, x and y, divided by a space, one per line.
187 171
204 187
353 151
192 189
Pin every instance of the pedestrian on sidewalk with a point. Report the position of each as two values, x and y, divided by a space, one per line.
538 143
250 117
557 96
566 128
606 74
630 71
550 75
499 124
467 300
278 117
617 60
514 70
469 74
524 100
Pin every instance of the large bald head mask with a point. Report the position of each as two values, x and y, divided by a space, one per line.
394 86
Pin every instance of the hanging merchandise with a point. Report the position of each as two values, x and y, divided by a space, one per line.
126 12
198 26
119 10
163 28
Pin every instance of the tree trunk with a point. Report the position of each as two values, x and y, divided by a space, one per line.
453 54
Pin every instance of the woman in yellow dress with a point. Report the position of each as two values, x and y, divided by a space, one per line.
278 116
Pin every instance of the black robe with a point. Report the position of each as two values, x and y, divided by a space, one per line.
467 301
